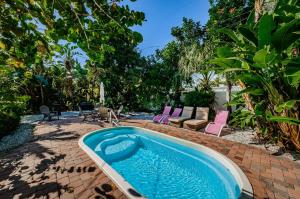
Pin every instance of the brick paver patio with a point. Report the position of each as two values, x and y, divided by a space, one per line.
53 166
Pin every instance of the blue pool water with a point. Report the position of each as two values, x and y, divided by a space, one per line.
160 168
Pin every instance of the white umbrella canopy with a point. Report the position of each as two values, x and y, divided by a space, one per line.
102 100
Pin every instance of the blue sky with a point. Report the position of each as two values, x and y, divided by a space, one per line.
162 15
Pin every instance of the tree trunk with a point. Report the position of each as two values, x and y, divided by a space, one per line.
42 94
246 97
250 107
291 131
92 91
263 5
258 9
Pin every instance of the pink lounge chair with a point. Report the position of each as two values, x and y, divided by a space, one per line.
220 122
175 114
166 112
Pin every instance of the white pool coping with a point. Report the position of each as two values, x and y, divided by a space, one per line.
128 190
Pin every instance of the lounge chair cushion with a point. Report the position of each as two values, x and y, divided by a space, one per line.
202 113
187 111
195 122
178 119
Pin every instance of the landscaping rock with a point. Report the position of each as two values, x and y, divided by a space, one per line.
21 135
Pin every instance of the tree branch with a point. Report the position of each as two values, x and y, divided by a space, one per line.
101 9
88 45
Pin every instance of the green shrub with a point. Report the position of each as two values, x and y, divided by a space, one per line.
10 113
242 118
8 122
199 98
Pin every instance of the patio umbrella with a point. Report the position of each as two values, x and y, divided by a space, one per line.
102 93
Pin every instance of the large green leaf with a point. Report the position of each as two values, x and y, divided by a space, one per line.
233 70
265 28
260 58
285 36
292 71
293 75
283 119
250 78
252 91
248 35
224 52
245 65
286 105
230 33
223 62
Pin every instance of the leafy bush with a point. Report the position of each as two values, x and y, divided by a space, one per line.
8 122
242 118
199 98
264 60
10 112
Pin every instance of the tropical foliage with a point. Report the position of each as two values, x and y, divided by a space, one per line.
38 43
265 62
58 52
11 104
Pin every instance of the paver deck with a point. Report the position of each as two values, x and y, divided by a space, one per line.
53 166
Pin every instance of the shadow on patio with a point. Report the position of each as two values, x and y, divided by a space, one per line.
39 168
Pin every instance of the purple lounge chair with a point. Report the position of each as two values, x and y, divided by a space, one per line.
220 122
175 113
165 113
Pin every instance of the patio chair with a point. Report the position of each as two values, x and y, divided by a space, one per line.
186 114
86 109
47 113
160 117
200 121
215 128
175 114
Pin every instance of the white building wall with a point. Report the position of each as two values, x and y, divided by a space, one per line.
222 96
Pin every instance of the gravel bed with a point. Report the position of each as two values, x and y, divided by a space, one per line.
21 135
249 137
31 119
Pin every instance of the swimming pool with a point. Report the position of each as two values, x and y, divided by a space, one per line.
149 164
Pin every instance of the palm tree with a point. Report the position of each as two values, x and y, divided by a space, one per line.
68 61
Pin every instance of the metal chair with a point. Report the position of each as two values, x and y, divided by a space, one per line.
47 113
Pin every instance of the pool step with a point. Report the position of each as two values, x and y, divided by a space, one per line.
118 147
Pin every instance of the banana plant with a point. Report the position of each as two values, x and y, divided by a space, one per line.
264 62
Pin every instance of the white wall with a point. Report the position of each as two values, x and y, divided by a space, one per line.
221 96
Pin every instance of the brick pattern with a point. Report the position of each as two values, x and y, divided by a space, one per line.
53 166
